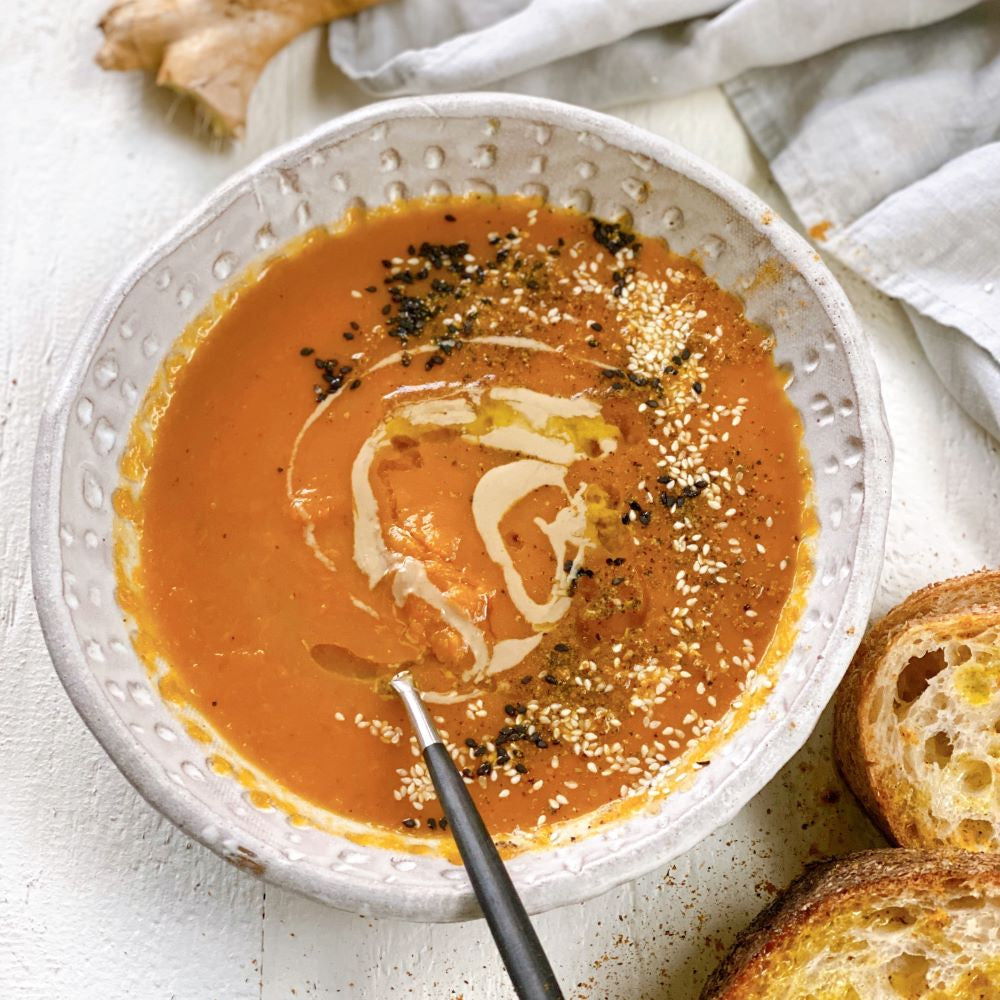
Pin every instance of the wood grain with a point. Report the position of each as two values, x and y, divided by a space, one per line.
99 897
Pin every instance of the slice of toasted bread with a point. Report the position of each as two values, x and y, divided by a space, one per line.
917 726
879 925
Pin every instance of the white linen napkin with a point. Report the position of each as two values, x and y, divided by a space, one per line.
881 120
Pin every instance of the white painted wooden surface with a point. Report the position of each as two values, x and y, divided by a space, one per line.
100 897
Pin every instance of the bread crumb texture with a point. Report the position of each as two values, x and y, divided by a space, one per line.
880 925
918 717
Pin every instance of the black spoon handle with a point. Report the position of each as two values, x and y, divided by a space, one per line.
516 939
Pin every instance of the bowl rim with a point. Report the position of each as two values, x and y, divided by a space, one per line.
454 900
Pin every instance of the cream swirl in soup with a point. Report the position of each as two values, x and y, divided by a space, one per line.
539 458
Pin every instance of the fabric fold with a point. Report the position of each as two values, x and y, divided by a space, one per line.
881 121
887 150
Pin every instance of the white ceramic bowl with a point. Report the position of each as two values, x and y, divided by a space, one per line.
435 146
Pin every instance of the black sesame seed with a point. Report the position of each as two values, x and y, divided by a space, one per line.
346 369
510 734
355 384
619 561
634 505
484 768
431 823
540 743
645 517
347 335
685 354
471 743
561 647
701 485
669 370
664 480
354 326
596 327
677 359
612 236
527 679
371 289
443 823
520 768
503 758
690 492
449 218
697 386
549 679
510 710
409 823
306 351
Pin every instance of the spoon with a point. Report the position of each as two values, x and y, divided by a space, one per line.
344 663
519 947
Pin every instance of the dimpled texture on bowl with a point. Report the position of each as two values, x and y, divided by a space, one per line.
439 146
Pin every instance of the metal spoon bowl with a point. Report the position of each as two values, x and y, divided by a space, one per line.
516 939
522 952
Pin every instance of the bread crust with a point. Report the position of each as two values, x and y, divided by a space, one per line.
827 887
960 606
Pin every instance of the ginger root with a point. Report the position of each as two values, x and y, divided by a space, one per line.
210 50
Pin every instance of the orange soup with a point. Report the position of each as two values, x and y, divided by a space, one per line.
543 461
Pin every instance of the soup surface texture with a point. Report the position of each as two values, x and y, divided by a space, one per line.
543 461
